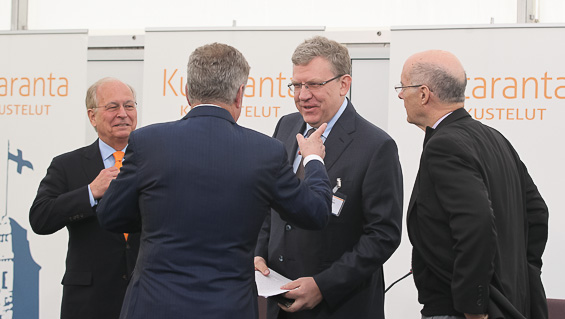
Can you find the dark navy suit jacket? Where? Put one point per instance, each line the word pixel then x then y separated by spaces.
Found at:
pixel 345 258
pixel 199 189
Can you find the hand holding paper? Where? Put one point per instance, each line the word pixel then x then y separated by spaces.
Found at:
pixel 270 284
pixel 305 293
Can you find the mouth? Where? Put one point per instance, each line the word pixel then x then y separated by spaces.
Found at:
pixel 122 125
pixel 309 107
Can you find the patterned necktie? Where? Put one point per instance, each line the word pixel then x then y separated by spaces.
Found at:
pixel 118 157
pixel 300 169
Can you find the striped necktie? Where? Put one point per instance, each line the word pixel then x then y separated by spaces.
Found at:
pixel 300 169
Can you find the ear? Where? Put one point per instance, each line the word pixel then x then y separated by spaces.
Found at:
pixel 186 94
pixel 345 84
pixel 91 117
pixel 239 97
pixel 425 94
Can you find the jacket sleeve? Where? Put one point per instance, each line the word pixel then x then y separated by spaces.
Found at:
pixel 118 210
pixel 537 216
pixel 57 204
pixel 262 247
pixel 306 203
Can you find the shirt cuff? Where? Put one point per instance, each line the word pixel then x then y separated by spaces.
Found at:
pixel 93 202
pixel 312 157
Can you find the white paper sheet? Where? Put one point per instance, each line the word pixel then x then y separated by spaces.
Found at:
pixel 270 285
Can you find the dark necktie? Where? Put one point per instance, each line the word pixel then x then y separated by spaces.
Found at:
pixel 300 169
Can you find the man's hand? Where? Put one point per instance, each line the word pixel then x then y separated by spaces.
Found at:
pixel 100 184
pixel 305 293
pixel 261 265
pixel 480 316
pixel 313 144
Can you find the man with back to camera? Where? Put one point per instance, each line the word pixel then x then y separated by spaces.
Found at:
pixel 200 188
pixel 337 271
pixel 99 263
pixel 477 223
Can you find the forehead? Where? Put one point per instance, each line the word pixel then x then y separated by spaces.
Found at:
pixel 318 68
pixel 405 75
pixel 113 91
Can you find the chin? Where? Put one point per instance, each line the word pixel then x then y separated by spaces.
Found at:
pixel 122 133
pixel 310 118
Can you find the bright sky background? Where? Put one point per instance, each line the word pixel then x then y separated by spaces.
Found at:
pixel 117 15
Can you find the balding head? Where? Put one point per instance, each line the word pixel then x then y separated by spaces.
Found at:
pixel 441 71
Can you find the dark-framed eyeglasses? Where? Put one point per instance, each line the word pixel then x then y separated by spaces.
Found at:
pixel 113 107
pixel 310 86
pixel 400 87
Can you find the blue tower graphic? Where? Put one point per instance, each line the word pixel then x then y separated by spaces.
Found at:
pixel 19 273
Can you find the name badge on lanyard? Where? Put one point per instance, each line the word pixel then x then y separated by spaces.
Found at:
pixel 338 199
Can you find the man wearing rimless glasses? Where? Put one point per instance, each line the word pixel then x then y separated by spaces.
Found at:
pixel 337 271
pixel 99 263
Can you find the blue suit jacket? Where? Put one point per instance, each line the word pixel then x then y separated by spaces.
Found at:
pixel 199 189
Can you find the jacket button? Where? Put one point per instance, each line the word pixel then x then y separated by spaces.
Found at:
pixel 124 277
pixel 281 258
pixel 288 227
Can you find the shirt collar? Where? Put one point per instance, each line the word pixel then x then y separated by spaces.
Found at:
pixel 106 150
pixel 208 105
pixel 441 119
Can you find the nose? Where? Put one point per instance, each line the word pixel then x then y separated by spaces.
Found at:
pixel 304 94
pixel 400 96
pixel 122 112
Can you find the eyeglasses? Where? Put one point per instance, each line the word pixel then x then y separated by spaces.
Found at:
pixel 399 87
pixel 113 107
pixel 310 86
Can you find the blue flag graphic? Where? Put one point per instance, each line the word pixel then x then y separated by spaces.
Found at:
pixel 20 160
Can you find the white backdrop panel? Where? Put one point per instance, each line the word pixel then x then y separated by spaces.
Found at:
pixel 42 87
pixel 370 90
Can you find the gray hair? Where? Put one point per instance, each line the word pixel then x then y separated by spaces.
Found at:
pixel 91 98
pixel 446 86
pixel 215 72
pixel 319 46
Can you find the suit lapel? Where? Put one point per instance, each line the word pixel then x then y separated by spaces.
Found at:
pixel 288 137
pixel 336 143
pixel 429 133
pixel 454 116
pixel 92 162
pixel 340 136
pixel 414 195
